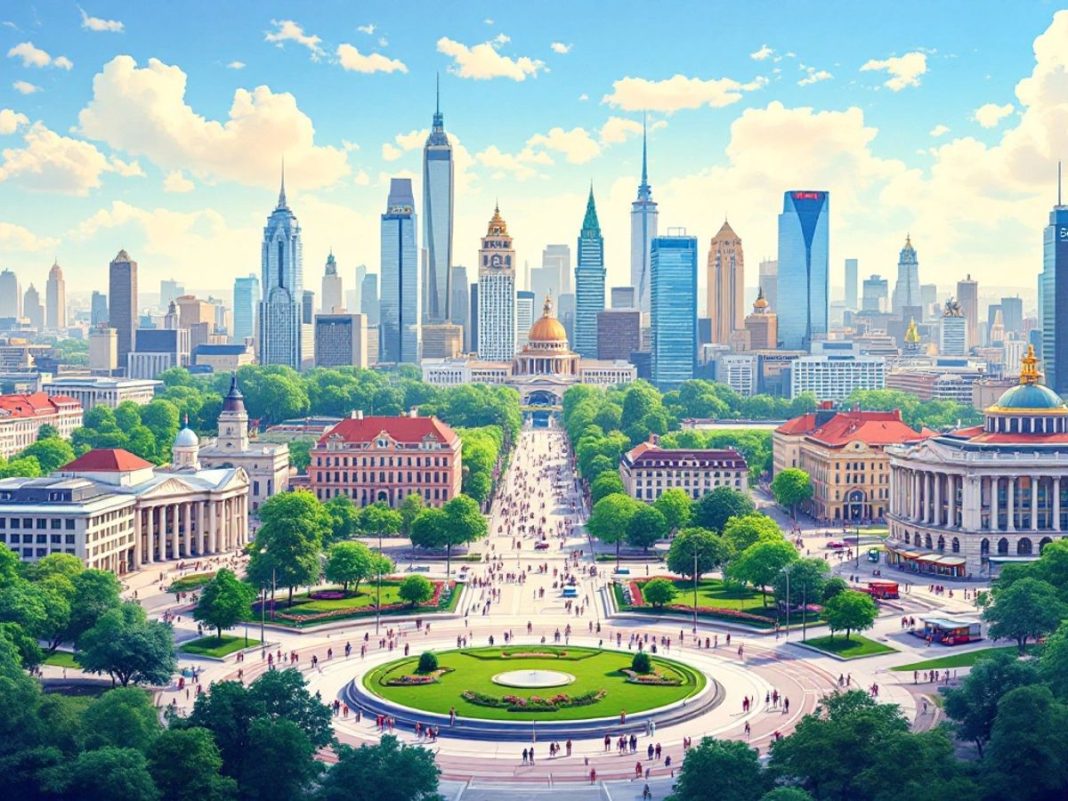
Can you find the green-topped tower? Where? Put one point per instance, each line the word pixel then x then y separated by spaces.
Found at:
pixel 589 281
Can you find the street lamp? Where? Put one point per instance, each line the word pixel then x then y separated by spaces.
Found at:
pixel 786 570
pixel 695 588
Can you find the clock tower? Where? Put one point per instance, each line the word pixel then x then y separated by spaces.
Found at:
pixel 496 293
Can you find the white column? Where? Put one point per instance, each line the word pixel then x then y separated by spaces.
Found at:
pixel 161 540
pixel 1056 504
pixel 1034 502
pixel 138 552
pixel 914 478
pixel 150 545
pixel 994 503
pixel 187 524
pixel 1011 506
pixel 937 499
pixel 213 540
pixel 175 530
pixel 202 525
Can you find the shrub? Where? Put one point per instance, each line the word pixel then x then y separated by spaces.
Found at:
pixel 428 662
pixel 641 663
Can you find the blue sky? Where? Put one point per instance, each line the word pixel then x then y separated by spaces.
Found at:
pixel 159 128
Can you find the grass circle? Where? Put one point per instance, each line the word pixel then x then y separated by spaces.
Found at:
pixel 595 671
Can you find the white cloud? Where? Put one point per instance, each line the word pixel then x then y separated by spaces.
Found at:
pixel 904 70
pixel 560 48
pixel 762 54
pixel 362 178
pixel 617 129
pixel 487 21
pixel 404 143
pixel 127 169
pixel 576 145
pixel 352 60
pixel 176 182
pixel 989 115
pixel 100 25
pixel 584 97
pixel 813 75
pixel 25 87
pixel 349 145
pixel 16 237
pixel 236 65
pixel 143 111
pixel 286 30
pixel 678 92
pixel 483 61
pixel 10 121
pixel 49 162
pixel 383 41
pixel 939 130
pixel 36 57
pixel 516 165
pixel 369 29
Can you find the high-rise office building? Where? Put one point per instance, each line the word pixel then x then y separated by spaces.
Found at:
pixel 496 292
pixel 619 333
pixel 333 299
pixel 997 328
pixel 768 281
pixel 953 331
pixel 589 282
pixel 103 350
pixel 437 220
pixel 968 297
pixel 357 291
pixel 55 299
pixel 928 300
pixel 369 307
pixel 876 292
pixel 762 325
pixel 471 334
pixel 279 336
pixel 726 284
pixel 340 340
pixel 122 302
pixel 804 242
pixel 673 307
pixel 623 297
pixel 246 298
pixel 644 218
pixel 1053 296
pixel 907 287
pixel 524 317
pixel 852 266
pixel 10 295
pixel 400 326
pixel 32 308
pixel 544 283
pixel 1012 313
pixel 307 307
pixel 567 314
pixel 557 260
pixel 98 309
pixel 169 290
pixel 459 289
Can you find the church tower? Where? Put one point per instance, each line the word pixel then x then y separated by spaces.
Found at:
pixel 233 421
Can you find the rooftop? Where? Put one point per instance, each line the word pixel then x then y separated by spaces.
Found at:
pixel 106 460
pixel 407 429
pixel 37 404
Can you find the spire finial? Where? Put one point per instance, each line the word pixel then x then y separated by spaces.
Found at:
pixel 1058 183
pixel 282 191
pixel 1029 373
pixel 437 93
pixel 645 152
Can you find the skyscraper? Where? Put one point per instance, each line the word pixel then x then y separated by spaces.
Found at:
pixel 907 287
pixel 437 220
pixel 369 298
pixel 400 334
pixel 459 289
pixel 340 340
pixel 98 308
pixel 726 284
pixel 589 282
pixel 10 295
pixel 762 325
pixel 1053 296
pixel 524 317
pixel 496 293
pixel 1012 313
pixel 968 298
pixel 357 288
pixel 333 290
pixel 804 242
pixel 851 269
pixel 768 281
pixel 557 259
pixel 876 291
pixel 623 297
pixel 31 305
pixel 55 299
pixel 246 298
pixel 169 290
pixel 122 302
pixel 673 306
pixel 643 229
pixel 953 331
pixel 280 316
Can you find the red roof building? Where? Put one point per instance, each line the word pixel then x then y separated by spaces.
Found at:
pixel 106 460
pixel 647 470
pixel 380 458
pixel 21 418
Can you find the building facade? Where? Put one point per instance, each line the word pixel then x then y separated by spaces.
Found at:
pixel 589 282
pixel 21 418
pixel 953 331
pixel 438 192
pixel 56 299
pixel 852 268
pixel 400 304
pixel 278 337
pixel 340 340
pixel 673 298
pixel 644 219
pixel 831 377
pixel 496 292
pixel 10 295
pixel 726 284
pixel 333 295
pixel 907 287
pixel 619 333
pixel 524 317
pixel 1053 298
pixel 122 302
pixel 762 325
pixel 804 242
pixel 110 392
pixel 647 470
pixel 246 299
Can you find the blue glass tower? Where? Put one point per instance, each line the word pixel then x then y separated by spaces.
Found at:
pixel 400 330
pixel 803 268
pixel 1053 297
pixel 437 220
pixel 278 335
pixel 644 218
pixel 673 302
pixel 589 282
pixel 246 296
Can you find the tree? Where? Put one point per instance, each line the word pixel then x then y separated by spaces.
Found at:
pixel 726 770
pixel 659 592
pixel 641 663
pixel 850 611
pixel 344 518
pixel 464 523
pixel 224 602
pixel 416 590
pixel 387 771
pixel 30 653
pixel 185 764
pixel 410 508
pixel 289 541
pixel 128 647
pixel 1025 758
pixel 676 506
pixel 791 487
pixel 280 763
pixel 974 705
pixel 1026 609
pixel 720 505
pixel 428 530
pixel 647 527
pixel 710 550
pixel 378 518
pixel 106 774
pixel 349 563
pixel 95 592
pixel 760 563
pixel 835 585
pixel 47 431
pixel 610 519
pixel 807 580
pixel 741 532
pixel 1053 661
pixel 608 483
pixel 786 794
pixel 124 717
pixel 300 453
pixel 51 453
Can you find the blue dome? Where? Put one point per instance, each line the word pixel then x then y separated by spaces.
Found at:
pixel 1030 396
pixel 186 438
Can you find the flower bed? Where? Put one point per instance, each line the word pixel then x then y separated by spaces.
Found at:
pixel 327 595
pixel 534 655
pixel 443 594
pixel 535 703
pixel 417 679
pixel 655 679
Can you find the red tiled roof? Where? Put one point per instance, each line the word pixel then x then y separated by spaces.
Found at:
pixel 872 428
pixel 37 404
pixel 799 425
pixel 402 429
pixel 106 460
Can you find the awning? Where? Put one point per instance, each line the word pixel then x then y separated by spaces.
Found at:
pixel 1003 559
pixel 950 622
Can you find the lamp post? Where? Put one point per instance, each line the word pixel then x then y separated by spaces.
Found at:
pixel 695 589
pixel 856 547
pixel 786 570
pixel 804 611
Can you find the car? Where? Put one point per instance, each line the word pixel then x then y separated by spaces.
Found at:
pixel 541 545
pixel 836 545
pixel 623 571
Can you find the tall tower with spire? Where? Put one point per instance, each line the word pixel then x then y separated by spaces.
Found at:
pixel 643 229
pixel 726 282
pixel 55 299
pixel 589 282
pixel 278 332
pixel 1053 295
pixel 907 289
pixel 496 292
pixel 438 195
pixel 333 288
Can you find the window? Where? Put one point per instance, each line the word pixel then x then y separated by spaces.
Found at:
pixel 69 524
pixel 55 523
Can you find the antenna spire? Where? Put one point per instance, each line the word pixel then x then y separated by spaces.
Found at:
pixel 1058 183
pixel 282 191
pixel 437 93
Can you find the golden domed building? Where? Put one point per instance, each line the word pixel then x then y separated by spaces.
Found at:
pixel 546 351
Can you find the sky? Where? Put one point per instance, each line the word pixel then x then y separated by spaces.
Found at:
pixel 160 128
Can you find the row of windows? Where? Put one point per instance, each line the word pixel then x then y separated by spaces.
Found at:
pixel 15 539
pixel 40 553
pixel 428 494
pixel 40 522
pixel 369 478
pixel 677 474
pixel 381 461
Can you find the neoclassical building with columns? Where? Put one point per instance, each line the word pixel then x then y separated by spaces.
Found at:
pixel 965 502
pixel 117 512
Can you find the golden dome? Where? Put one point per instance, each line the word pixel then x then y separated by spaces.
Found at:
pixel 497 225
pixel 547 328
pixel 761 302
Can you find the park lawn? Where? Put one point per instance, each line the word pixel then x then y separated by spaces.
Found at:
pixel 62 659
pixel 353 605
pixel 473 669
pixel 194 581
pixel 958 660
pixel 855 647
pixel 365 597
pixel 213 646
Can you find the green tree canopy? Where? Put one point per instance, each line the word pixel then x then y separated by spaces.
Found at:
pixel 124 717
pixel 416 590
pixel 185 765
pixel 344 518
pixel 1025 610
pixel 289 541
pixel 973 706
pixel 715 508
pixel 349 563
pixel 128 647
pixel 387 771
pixel 760 563
pixel 610 519
pixel 647 527
pixel 745 530
pixel 659 592
pixel 724 770
pixel 676 506
pixel 710 550
pixel 607 483
pixel 850 611
pixel 224 601
pixel 791 487
pixel 808 577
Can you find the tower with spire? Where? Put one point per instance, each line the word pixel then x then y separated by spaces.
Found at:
pixel 55 299
pixel 589 281
pixel 726 284
pixel 1053 295
pixel 333 288
pixel 496 292
pixel 278 334
pixel 643 229
pixel 906 295
pixel 438 197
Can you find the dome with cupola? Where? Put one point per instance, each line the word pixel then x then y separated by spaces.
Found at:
pixel 547 329
pixel 1030 407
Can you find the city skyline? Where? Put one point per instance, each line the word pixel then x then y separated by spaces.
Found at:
pixel 889 124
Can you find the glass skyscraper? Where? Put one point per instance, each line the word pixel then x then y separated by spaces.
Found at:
pixel 246 296
pixel 437 220
pixel 589 282
pixel 803 268
pixel 643 227
pixel 279 326
pixel 400 329
pixel 673 304
pixel 1053 299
